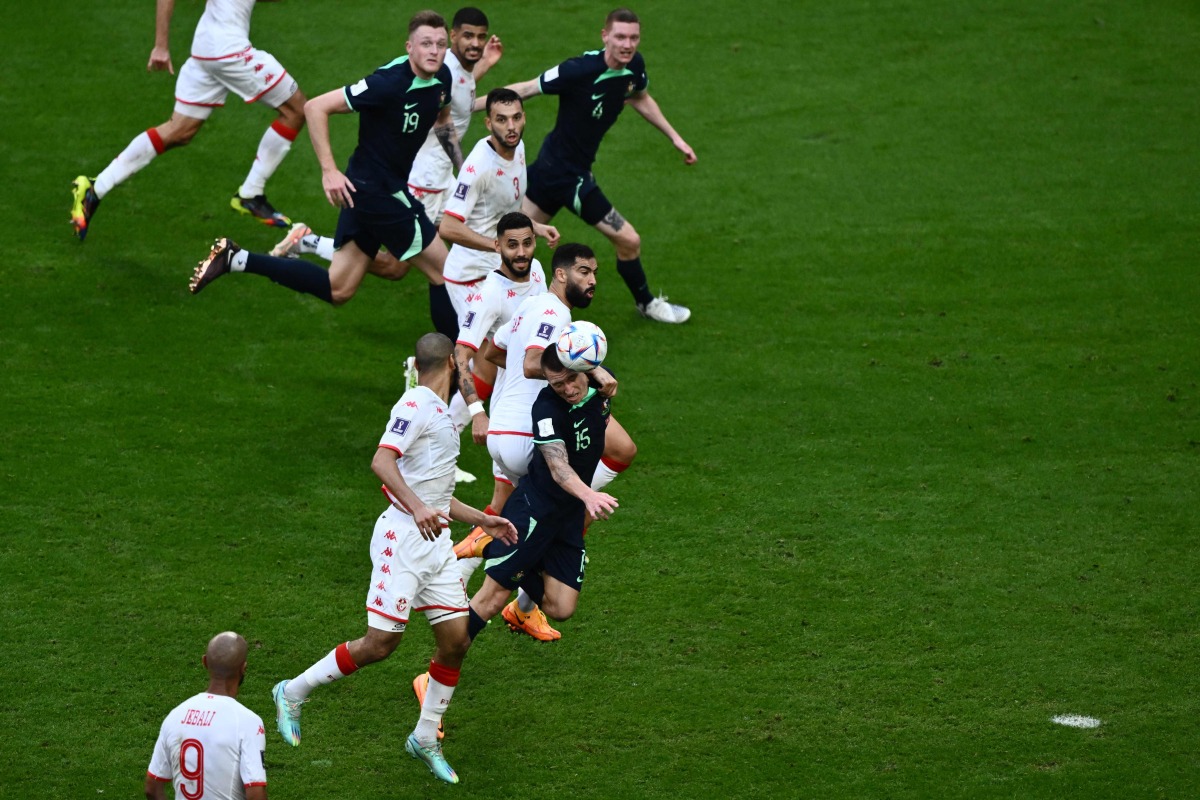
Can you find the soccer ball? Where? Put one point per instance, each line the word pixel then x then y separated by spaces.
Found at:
pixel 582 346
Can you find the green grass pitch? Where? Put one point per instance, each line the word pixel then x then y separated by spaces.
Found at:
pixel 921 473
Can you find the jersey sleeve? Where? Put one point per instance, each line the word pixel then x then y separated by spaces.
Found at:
pixel 504 334
pixel 253 748
pixel 408 420
pixel 160 762
pixel 564 77
pixel 481 315
pixel 373 91
pixel 550 421
pixel 641 81
pixel 472 179
pixel 544 334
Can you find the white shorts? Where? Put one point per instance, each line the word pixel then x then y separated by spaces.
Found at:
pixel 434 201
pixel 467 265
pixel 410 573
pixel 511 452
pixel 459 292
pixel 253 74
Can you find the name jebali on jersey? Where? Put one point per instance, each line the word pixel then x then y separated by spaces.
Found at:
pixel 210 746
pixel 488 188
pixel 426 462
pixel 536 325
pixel 432 168
pixel 591 97
pixel 392 99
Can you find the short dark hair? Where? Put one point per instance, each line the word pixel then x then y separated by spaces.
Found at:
pixel 551 362
pixel 432 350
pixel 565 255
pixel 502 94
pixel 430 18
pixel 469 15
pixel 620 15
pixel 512 221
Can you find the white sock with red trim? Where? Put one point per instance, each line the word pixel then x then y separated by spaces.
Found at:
pixel 442 680
pixel 337 664
pixel 140 152
pixel 605 472
pixel 273 146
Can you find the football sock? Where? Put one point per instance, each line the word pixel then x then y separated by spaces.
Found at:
pixel 140 152
pixel 321 245
pixel 467 567
pixel 337 664
pixel 524 601
pixel 606 470
pixel 475 623
pixel 273 146
pixel 441 311
pixel 237 262
pixel 635 278
pixel 294 273
pixel 442 680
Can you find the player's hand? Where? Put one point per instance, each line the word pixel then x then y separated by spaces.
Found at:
pixel 479 427
pixel 499 528
pixel 160 59
pixel 492 51
pixel 689 155
pixel 606 384
pixel 430 521
pixel 547 232
pixel 600 505
pixel 339 190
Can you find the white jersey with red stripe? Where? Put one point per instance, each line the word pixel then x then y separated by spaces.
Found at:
pixel 422 434
pixel 488 188
pixel 210 746
pixel 535 326
pixel 223 30
pixel 432 168
pixel 495 301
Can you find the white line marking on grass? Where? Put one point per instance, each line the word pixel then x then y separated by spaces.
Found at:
pixel 1076 721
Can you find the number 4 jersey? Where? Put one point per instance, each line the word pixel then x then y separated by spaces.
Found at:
pixel 210 746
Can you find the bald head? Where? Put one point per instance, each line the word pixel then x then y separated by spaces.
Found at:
pixel 225 656
pixel 432 351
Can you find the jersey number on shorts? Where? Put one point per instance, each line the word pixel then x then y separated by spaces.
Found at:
pixel 411 120
pixel 195 774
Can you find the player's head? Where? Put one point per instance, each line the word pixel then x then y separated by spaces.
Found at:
pixel 566 383
pixel 505 117
pixel 434 352
pixel 514 240
pixel 225 657
pixel 574 268
pixel 468 35
pixel 426 45
pixel 621 35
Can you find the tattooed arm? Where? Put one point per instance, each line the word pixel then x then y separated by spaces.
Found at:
pixel 447 137
pixel 466 386
pixel 599 504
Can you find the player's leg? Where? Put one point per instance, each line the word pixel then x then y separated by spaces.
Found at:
pixel 556 588
pixel 430 260
pixel 559 600
pixel 435 689
pixel 619 452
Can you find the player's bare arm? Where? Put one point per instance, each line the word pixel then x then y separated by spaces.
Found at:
pixel 493 354
pixel 492 52
pixel 160 55
pixel 526 90
pixel 466 387
pixel 598 504
pixel 498 527
pixel 606 384
pixel 454 230
pixel 338 188
pixel 646 105
pixel 532 365
pixel 428 520
pixel 547 232
pixel 447 137
pixel 257 792
pixel 155 789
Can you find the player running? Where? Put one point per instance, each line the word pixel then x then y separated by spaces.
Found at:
pixel 222 61
pixel 414 568
pixel 210 745
pixel 593 90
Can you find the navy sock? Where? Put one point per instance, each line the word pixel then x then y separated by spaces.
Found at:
pixel 441 311
pixel 534 586
pixel 294 273
pixel 635 278
pixel 475 623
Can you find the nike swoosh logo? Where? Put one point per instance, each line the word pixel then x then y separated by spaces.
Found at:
pixel 580 422
pixel 597 96
pixel 407 106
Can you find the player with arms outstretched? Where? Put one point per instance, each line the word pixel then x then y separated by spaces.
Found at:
pixel 222 61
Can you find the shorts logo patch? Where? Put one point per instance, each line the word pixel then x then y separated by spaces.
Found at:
pixel 400 426
pixel 544 331
pixel 545 427
pixel 359 87
pixel 460 192
pixel 401 605
pixel 470 318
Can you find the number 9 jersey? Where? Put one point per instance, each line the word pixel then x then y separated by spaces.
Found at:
pixel 210 746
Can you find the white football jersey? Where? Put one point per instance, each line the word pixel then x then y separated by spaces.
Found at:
pixel 426 444
pixel 488 188
pixel 494 302
pixel 535 325
pixel 432 168
pixel 223 29
pixel 210 746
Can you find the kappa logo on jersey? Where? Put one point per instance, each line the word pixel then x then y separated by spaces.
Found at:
pixel 387 551
pixel 385 569
pixel 359 87
pixel 512 293
pixel 380 586
pixel 470 169
pixel 261 732
pixel 470 318
pixel 544 330
pixel 549 312
pixel 270 76
pixel 499 173
pixel 259 67
pixel 390 536
pixel 411 403
pixel 460 191
pixel 377 601
pixel 400 426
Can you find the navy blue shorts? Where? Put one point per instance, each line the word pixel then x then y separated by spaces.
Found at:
pixel 552 189
pixel 397 223
pixel 549 542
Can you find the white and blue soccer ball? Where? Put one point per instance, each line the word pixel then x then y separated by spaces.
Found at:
pixel 582 346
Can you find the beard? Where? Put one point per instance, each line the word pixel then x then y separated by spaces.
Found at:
pixel 520 269
pixel 578 298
